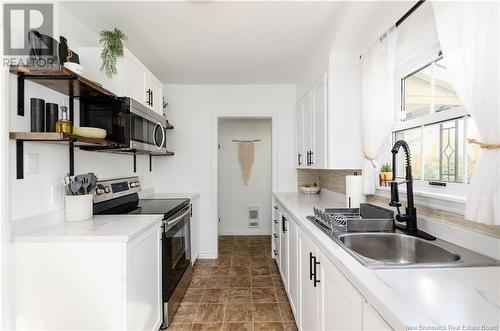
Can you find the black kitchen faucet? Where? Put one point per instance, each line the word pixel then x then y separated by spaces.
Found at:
pixel 410 217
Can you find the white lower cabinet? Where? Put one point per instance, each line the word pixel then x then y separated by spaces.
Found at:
pixel 103 286
pixel 293 268
pixel 341 304
pixel 321 297
pixel 309 291
pixel 283 252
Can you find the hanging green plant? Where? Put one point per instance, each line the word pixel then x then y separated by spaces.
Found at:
pixel 112 42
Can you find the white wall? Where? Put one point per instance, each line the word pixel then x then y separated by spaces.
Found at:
pixel 193 110
pixel 234 196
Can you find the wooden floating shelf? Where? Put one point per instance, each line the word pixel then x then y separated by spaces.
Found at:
pixel 63 80
pixel 61 138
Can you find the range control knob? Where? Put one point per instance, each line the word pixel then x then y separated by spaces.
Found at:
pixel 107 189
pixel 99 190
pixel 133 184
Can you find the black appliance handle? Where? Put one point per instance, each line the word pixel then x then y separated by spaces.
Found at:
pixel 299 161
pixel 310 266
pixel 315 280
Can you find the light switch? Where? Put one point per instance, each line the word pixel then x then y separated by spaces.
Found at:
pixel 32 163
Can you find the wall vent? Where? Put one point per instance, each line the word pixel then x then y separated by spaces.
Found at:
pixel 253 217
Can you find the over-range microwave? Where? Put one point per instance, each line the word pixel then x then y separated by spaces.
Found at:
pixel 131 126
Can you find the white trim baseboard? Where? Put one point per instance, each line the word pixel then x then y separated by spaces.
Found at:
pixel 207 255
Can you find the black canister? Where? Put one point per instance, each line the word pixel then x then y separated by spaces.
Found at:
pixel 51 116
pixel 37 115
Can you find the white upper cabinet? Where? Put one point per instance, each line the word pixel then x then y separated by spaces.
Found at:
pixel 308 129
pixel 133 78
pixel 299 135
pixel 328 122
pixel 319 97
pixel 310 126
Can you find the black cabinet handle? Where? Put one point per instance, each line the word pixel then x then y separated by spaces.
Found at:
pixel 299 156
pixel 283 218
pixel 275 235
pixel 275 221
pixel 316 263
pixel 311 158
pixel 152 98
pixel 310 266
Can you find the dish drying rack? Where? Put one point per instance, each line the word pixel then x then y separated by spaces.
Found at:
pixel 367 218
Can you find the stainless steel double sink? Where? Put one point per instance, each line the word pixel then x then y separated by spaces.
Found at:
pixel 391 250
pixel 396 250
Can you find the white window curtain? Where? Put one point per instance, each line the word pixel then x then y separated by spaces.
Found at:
pixel 469 34
pixel 377 103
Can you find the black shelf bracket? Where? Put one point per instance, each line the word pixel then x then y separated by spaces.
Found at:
pixel 135 162
pixel 71 158
pixel 20 94
pixel 150 162
pixel 19 159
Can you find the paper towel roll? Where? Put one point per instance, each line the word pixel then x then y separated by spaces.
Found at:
pixel 354 191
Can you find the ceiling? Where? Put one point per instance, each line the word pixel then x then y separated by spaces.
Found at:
pixel 212 42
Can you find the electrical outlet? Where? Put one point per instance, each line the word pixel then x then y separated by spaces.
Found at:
pixel 57 194
pixel 32 163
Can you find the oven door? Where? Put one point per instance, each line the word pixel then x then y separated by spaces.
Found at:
pixel 176 251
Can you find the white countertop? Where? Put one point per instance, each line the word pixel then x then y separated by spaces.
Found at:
pixel 102 228
pixel 407 297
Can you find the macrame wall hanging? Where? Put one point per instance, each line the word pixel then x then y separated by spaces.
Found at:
pixel 246 157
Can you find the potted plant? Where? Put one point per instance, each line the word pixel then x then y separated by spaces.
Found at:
pixel 112 42
pixel 386 172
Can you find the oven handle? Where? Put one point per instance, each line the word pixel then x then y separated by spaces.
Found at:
pixel 177 219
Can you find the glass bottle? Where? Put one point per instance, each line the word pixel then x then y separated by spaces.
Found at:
pixel 64 125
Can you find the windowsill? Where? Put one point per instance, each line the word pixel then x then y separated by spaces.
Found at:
pixel 435 195
pixel 439 200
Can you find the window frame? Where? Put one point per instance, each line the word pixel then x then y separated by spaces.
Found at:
pixel 422 185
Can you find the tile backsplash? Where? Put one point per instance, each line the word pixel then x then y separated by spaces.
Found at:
pixel 334 180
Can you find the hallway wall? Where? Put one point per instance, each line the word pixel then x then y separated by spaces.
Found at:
pixel 234 196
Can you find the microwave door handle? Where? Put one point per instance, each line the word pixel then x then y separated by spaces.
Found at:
pixel 177 219
pixel 159 127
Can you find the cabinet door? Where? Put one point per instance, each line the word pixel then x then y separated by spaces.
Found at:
pixel 319 98
pixel 293 267
pixel 308 128
pixel 341 304
pixel 157 89
pixel 144 281
pixel 284 248
pixel 309 295
pixel 134 79
pixel 372 321
pixel 299 135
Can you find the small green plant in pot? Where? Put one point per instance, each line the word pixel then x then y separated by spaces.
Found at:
pixel 112 42
pixel 386 172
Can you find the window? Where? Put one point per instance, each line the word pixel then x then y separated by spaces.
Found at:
pixel 436 127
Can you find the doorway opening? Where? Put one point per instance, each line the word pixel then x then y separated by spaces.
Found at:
pixel 244 178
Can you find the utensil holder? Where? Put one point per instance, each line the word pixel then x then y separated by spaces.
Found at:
pixel 79 208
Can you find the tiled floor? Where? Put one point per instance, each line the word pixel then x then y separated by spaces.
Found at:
pixel 241 290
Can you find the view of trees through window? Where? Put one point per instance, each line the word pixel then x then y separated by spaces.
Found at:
pixel 440 151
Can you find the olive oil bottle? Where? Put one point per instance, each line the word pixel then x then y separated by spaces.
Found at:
pixel 64 125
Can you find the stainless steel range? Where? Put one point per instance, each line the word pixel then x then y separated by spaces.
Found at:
pixel 120 196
